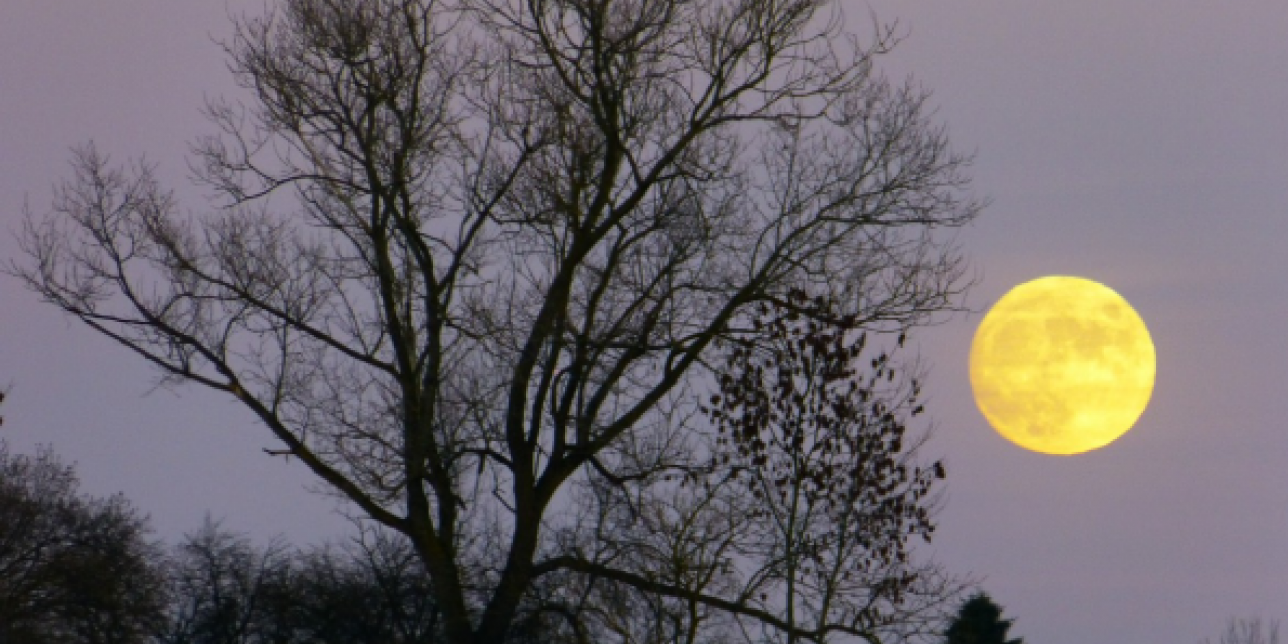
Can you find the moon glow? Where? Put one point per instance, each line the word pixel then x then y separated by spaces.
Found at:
pixel 1062 365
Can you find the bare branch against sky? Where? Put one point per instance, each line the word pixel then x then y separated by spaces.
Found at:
pixel 468 258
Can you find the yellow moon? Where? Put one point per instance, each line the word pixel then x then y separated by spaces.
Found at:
pixel 1062 365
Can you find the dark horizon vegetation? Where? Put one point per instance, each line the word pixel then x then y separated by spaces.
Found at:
pixel 79 569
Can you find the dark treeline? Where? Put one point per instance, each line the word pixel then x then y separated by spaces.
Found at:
pixel 78 569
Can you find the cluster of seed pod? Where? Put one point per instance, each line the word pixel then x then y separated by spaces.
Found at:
pixel 800 415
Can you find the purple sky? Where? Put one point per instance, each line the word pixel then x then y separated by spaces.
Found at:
pixel 1142 144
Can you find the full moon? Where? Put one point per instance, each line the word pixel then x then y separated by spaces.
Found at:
pixel 1062 365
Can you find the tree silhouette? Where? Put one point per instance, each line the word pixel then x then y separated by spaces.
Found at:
pixel 1247 630
pixel 979 621
pixel 470 259
pixel 225 590
pixel 73 568
pixel 811 477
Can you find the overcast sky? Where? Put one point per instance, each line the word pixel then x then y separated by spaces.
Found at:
pixel 1139 143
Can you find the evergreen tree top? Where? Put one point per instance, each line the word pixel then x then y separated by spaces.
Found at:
pixel 979 621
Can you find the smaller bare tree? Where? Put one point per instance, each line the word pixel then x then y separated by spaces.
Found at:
pixel 816 425
pixel 73 568
pixel 224 589
pixel 370 589
pixel 785 511
pixel 1247 630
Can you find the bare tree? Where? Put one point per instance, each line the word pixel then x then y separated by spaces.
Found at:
pixel 225 590
pixel 473 252
pixel 796 503
pixel 819 442
pixel 73 568
pixel 371 589
pixel 1247 630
